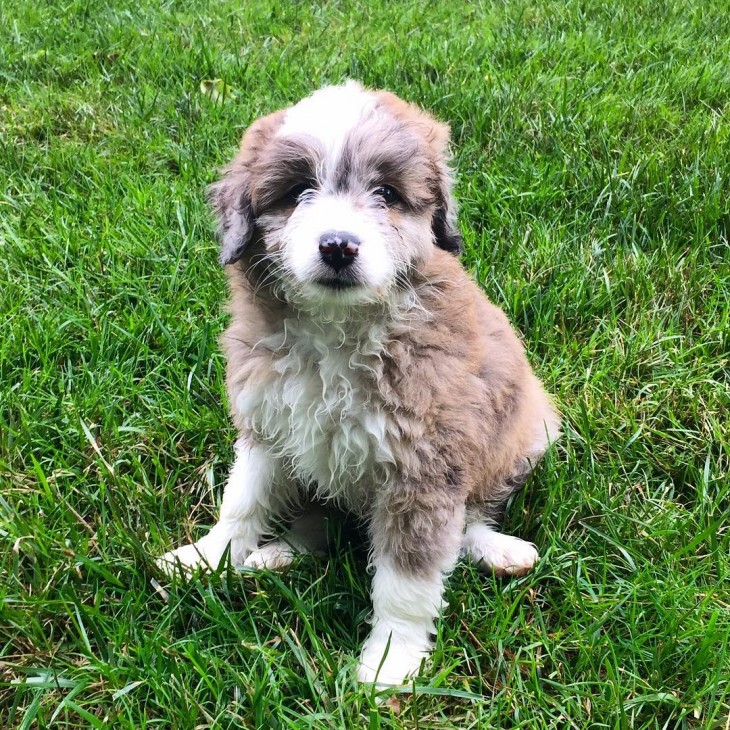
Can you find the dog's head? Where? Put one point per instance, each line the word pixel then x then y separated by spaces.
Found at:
pixel 343 195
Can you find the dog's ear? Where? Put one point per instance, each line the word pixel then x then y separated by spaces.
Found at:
pixel 446 233
pixel 436 135
pixel 231 196
pixel 445 229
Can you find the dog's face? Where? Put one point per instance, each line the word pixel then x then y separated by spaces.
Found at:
pixel 341 196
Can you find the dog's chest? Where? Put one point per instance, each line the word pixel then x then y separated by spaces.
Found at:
pixel 321 412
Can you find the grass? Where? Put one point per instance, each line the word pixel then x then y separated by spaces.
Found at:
pixel 593 148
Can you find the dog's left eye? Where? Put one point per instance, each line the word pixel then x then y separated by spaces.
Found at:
pixel 297 191
pixel 388 194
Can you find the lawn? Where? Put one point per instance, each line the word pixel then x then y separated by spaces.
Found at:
pixel 592 143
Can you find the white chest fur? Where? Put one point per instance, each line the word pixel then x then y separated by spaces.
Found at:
pixel 320 409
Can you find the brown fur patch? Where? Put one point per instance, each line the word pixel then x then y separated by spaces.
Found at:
pixel 435 135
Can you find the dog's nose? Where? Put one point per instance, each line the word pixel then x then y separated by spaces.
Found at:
pixel 338 249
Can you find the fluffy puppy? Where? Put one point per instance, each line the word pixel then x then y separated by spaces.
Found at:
pixel 365 367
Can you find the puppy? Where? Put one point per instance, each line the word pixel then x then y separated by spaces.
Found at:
pixel 365 367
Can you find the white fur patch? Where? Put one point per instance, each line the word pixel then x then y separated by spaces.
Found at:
pixel 501 554
pixel 320 413
pixel 375 265
pixel 328 115
pixel 274 555
pixel 404 610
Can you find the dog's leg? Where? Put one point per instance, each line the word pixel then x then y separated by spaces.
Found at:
pixel 244 516
pixel 488 548
pixel 416 539
pixel 307 534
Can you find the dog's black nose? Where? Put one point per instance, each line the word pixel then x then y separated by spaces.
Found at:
pixel 338 249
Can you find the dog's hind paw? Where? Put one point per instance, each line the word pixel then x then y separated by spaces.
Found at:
pixel 498 553
pixel 275 555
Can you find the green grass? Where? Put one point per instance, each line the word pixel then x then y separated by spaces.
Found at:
pixel 593 149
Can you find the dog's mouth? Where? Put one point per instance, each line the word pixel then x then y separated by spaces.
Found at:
pixel 337 283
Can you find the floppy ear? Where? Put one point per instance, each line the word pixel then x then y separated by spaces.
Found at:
pixel 231 195
pixel 436 135
pixel 445 229
pixel 231 201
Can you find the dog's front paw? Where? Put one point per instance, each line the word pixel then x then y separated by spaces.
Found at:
pixel 206 554
pixel 275 555
pixel 402 661
pixel 185 559
pixel 501 554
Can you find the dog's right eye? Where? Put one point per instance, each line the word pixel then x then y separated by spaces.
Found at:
pixel 295 194
pixel 389 195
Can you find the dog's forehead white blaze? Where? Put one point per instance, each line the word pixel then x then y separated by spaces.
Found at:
pixel 329 115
